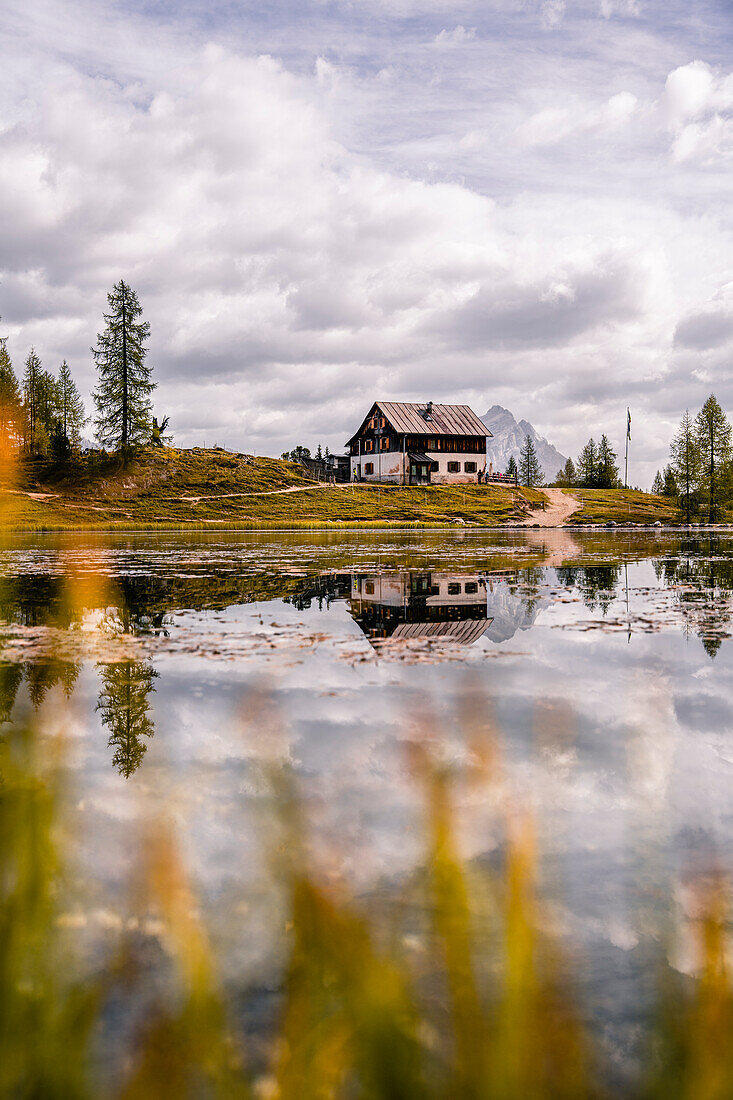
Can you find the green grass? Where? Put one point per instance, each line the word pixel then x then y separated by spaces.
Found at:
pixel 208 489
pixel 622 506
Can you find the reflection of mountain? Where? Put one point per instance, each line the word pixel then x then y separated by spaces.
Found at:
pixel 508 612
pixel 446 606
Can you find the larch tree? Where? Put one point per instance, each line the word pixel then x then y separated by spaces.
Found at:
pixel 11 406
pixel 70 406
pixel 685 456
pixel 32 402
pixel 567 476
pixel 122 397
pixel 658 485
pixel 713 435
pixel 530 471
pixel 669 484
pixel 511 468
pixel 607 470
pixel 588 465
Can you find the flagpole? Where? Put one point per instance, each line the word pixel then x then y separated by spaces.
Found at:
pixel 626 463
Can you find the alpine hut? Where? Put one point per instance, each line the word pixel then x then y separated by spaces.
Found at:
pixel 407 443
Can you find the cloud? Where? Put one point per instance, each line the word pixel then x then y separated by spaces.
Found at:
pixel 605 292
pixel 555 124
pixel 456 37
pixel 697 107
pixel 702 331
pixel 552 12
pixel 314 211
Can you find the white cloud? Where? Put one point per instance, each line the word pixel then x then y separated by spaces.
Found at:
pixel 552 12
pixel 555 124
pixel 304 233
pixel 697 107
pixel 455 37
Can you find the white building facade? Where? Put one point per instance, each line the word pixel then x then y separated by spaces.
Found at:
pixel 406 443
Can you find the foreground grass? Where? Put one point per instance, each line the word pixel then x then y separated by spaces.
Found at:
pixel 484 1009
pixel 208 489
pixel 456 990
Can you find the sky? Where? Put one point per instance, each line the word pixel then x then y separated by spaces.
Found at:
pixel 325 202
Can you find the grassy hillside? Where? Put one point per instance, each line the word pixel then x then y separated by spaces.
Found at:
pixel 622 506
pixel 212 488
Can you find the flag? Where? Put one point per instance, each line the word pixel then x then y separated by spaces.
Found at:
pixel 628 424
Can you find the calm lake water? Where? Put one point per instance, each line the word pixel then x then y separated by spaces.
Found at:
pixel 602 664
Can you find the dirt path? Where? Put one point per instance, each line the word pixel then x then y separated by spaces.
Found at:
pixel 560 508
pixel 265 493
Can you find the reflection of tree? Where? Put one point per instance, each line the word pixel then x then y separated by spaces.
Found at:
pixel 704 584
pixel 11 676
pixel 527 586
pixel 124 705
pixel 41 676
pixel 596 583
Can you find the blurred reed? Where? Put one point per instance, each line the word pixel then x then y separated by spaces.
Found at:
pixel 485 1010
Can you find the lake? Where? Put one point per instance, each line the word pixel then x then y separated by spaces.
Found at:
pixel 185 671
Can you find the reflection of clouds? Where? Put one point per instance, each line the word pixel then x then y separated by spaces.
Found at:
pixel 622 750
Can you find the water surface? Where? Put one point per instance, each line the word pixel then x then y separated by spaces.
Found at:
pixel 195 664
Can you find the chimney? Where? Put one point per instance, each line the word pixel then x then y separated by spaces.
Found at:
pixel 428 414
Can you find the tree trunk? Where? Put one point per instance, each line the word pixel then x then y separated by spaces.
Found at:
pixel 124 373
pixel 712 477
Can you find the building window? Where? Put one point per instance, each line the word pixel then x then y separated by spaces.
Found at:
pixel 384 443
pixel 368 444
pixel 469 467
pixel 368 467
pixel 369 588
pixel 435 467
pixel 454 467
pixel 471 588
pixel 454 589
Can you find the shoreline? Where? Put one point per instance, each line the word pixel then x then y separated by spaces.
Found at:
pixel 354 525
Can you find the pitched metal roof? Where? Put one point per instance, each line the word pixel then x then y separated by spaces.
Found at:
pixel 463 631
pixel 409 416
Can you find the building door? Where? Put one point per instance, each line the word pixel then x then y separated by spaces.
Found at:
pixel 419 473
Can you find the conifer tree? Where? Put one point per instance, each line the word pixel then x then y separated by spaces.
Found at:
pixel 32 402
pixel 70 406
pixel 567 475
pixel 10 401
pixel 713 436
pixel 511 468
pixel 607 470
pixel 125 709
pixel 48 405
pixel 658 485
pixel 123 394
pixel 530 472
pixel 588 465
pixel 669 483
pixel 685 455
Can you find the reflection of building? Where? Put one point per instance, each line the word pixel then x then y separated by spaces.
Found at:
pixel 420 605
